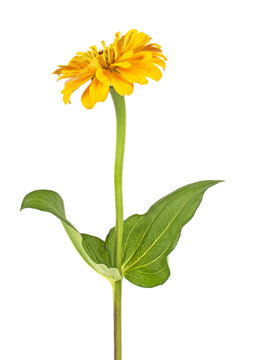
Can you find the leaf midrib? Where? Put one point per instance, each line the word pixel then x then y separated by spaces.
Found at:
pixel 145 233
pixel 173 219
pixel 133 253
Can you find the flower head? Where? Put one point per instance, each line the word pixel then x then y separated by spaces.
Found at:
pixel 129 59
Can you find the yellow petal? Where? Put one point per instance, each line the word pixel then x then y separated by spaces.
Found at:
pixel 94 93
pixel 117 35
pixel 160 55
pixel 72 85
pixel 125 55
pixel 103 76
pixel 132 76
pixel 94 48
pixel 159 62
pixel 156 45
pixel 103 44
pixel 122 86
pixel 137 39
pixel 152 48
pixel 98 90
pixel 141 56
pixel 123 64
pixel 86 98
pixel 148 69
pixel 128 36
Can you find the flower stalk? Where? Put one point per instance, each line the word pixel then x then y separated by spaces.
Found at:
pixel 117 291
pixel 120 109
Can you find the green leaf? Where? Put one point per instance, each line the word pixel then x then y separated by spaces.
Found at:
pixel 148 239
pixel 91 248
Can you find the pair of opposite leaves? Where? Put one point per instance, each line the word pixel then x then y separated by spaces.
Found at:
pixel 148 239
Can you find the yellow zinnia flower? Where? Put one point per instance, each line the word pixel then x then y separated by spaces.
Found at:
pixel 128 60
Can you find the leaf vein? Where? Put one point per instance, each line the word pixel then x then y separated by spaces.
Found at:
pixel 145 233
pixel 166 228
pixel 130 233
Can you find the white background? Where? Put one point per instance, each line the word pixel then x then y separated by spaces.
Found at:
pixel 194 124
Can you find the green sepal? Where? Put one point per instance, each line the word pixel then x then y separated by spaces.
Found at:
pixel 91 248
pixel 148 239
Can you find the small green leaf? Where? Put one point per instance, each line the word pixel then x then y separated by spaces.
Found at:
pixel 148 239
pixel 89 247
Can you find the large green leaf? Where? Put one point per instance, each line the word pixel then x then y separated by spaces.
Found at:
pixel 148 239
pixel 89 247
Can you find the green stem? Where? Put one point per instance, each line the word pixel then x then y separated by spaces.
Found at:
pixel 117 291
pixel 120 110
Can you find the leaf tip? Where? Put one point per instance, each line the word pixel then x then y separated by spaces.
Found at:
pixel 214 182
pixel 22 204
pixel 218 181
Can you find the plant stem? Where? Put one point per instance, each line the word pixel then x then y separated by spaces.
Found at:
pixel 120 110
pixel 117 290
